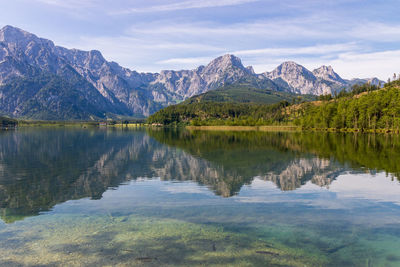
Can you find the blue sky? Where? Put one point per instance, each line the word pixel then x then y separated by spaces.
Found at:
pixel 359 38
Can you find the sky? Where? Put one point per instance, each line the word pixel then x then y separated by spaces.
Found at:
pixel 358 38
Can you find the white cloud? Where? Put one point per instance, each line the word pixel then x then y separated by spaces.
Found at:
pixel 374 64
pixel 274 56
pixel 133 44
pixel 262 32
pixel 307 50
pixel 312 40
pixel 268 30
pixel 348 59
pixel 70 4
pixel 196 61
pixel 182 5
pixel 378 32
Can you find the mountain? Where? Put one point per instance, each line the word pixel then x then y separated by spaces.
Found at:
pixel 323 80
pixel 300 80
pixel 110 88
pixel 328 74
pixel 103 86
pixel 223 70
pixel 43 81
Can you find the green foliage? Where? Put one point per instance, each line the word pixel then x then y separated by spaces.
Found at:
pixel 246 103
pixel 216 113
pixel 355 90
pixel 364 108
pixel 247 93
pixel 372 110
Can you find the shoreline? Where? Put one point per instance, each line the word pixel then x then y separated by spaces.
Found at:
pixel 288 129
pixel 245 128
pixel 260 128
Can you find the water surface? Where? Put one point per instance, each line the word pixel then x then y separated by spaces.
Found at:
pixel 98 197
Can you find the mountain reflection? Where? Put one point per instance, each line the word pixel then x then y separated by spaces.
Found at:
pixel 41 168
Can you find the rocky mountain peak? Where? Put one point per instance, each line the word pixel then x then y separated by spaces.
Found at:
pixel 297 77
pixel 251 69
pixel 19 41
pixel 15 35
pixel 323 68
pixel 290 66
pixel 117 90
pixel 95 59
pixel 226 61
pixel 290 70
pixel 327 73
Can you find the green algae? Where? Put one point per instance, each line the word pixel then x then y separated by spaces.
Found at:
pixel 135 240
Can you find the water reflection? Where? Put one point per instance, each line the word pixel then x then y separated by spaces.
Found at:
pixel 41 168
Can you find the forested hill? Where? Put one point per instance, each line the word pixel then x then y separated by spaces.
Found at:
pixel 248 91
pixel 217 113
pixel 368 108
pixel 365 107
pixel 245 103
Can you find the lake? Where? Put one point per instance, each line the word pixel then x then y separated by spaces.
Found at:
pixel 164 197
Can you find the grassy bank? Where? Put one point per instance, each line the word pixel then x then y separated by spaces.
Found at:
pixel 246 128
pixel 262 128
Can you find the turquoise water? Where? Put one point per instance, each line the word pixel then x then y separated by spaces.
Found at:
pixel 98 197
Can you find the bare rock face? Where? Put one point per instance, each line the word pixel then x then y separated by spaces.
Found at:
pixel 24 55
pixel 30 67
pixel 328 74
pixel 223 70
pixel 302 81
pixel 296 76
pixel 321 81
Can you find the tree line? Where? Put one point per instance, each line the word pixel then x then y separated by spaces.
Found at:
pixel 372 110
pixel 365 107
pixel 216 113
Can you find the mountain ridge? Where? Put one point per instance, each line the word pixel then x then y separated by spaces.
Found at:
pixel 126 92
